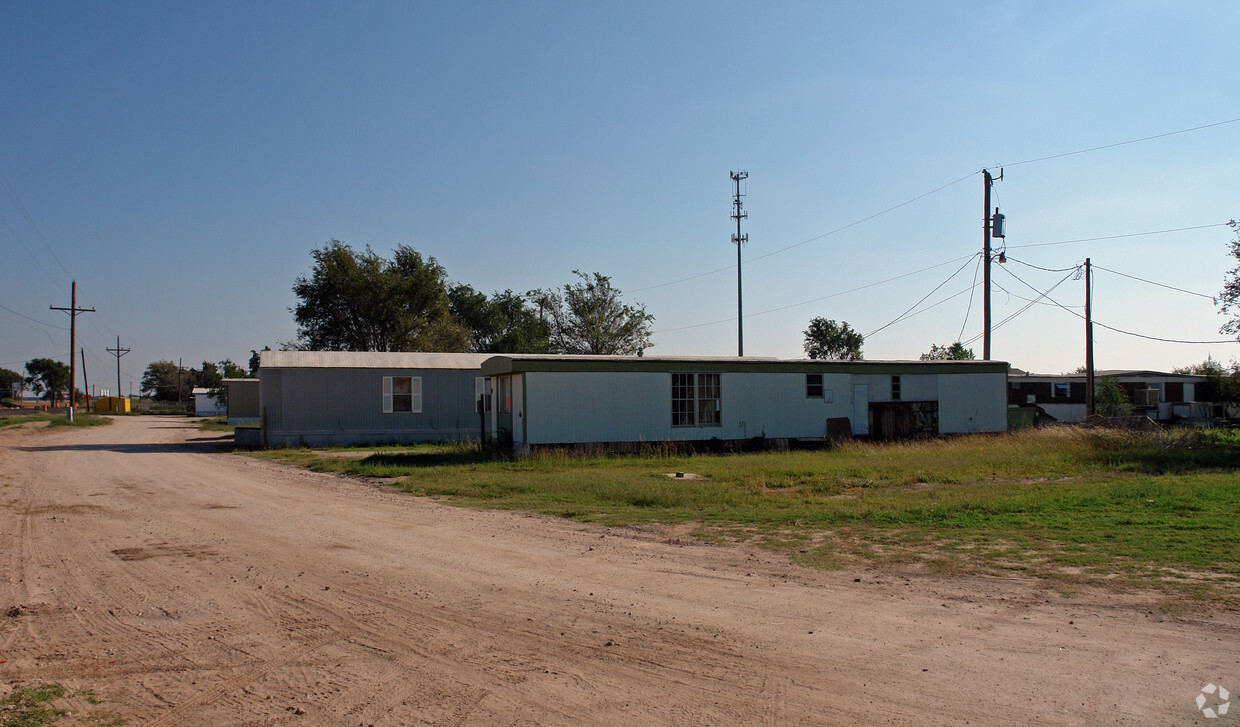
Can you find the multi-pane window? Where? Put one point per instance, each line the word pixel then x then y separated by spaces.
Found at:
pixel 695 400
pixel 402 394
pixel 895 388
pixel 1061 391
pixel 813 386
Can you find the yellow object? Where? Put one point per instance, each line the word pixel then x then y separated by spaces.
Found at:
pixel 111 404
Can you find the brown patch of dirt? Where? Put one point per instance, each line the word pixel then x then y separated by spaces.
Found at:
pixel 315 599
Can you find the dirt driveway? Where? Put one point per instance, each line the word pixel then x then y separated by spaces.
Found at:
pixel 187 586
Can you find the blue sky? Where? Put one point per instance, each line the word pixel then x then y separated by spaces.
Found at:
pixel 180 161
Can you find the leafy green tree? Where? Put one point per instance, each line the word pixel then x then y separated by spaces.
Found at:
pixel 1222 382
pixel 954 352
pixel 1110 399
pixel 503 323
pixel 589 317
pixel 164 380
pixel 359 301
pixel 9 380
pixel 826 339
pixel 48 378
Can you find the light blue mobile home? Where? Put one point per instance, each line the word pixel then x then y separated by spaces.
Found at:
pixel 571 400
pixel 326 398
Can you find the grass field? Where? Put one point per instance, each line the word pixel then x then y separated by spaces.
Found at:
pixel 1064 504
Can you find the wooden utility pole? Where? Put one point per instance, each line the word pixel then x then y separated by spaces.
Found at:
pixel 118 352
pixel 72 310
pixel 987 181
pixel 85 383
pixel 1089 343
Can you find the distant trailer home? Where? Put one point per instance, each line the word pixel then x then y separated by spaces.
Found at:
pixel 583 400
pixel 335 398
pixel 206 405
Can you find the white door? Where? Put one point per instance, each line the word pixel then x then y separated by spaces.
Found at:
pixel 518 411
pixel 861 409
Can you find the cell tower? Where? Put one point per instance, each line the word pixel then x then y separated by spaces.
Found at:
pixel 739 214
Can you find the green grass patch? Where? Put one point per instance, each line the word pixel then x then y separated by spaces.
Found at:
pixel 29 706
pixel 1068 504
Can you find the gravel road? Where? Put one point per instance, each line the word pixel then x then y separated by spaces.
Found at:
pixel 184 585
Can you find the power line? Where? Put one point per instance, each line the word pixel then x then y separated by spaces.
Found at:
pixel 969 307
pixel 1028 305
pixel 1118 237
pixel 923 299
pixel 8 187
pixel 819 299
pixel 41 323
pixel 932 306
pixel 812 239
pixel 1118 143
pixel 1113 328
pixel 1151 282
pixel 1038 267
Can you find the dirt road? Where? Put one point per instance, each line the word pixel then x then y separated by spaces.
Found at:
pixel 188 586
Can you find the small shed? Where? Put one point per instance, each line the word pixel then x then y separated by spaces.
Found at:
pixel 241 399
pixel 335 398
pixel 568 400
pixel 206 405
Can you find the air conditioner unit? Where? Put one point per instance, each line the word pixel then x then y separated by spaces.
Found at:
pixel 1147 397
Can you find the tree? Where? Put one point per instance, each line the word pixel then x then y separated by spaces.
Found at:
pixel 503 323
pixel 1110 399
pixel 1222 383
pixel 954 352
pixel 589 317
pixel 164 380
pixel 1228 301
pixel 361 302
pixel 48 378
pixel 825 339
pixel 10 383
pixel 255 358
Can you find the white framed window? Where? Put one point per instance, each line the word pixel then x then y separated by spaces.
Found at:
pixel 696 400
pixel 813 386
pixel 402 394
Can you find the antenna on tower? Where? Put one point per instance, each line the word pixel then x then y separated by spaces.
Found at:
pixel 738 214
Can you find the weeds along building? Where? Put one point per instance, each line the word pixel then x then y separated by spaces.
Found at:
pixel 581 400
pixel 330 398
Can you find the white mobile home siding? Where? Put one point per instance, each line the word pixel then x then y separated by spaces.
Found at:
pixel 972 403
pixel 583 400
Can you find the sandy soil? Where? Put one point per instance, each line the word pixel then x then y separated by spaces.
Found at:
pixel 188 586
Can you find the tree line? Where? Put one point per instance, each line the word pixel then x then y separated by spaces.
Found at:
pixel 357 300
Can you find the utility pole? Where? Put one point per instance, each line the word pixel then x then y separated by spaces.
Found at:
pixel 85 383
pixel 988 181
pixel 72 310
pixel 1089 343
pixel 118 352
pixel 178 382
pixel 738 214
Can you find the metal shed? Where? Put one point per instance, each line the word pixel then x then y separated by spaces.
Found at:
pixel 317 398
pixel 567 400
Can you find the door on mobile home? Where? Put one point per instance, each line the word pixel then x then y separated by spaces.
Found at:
pixel 518 411
pixel 861 409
